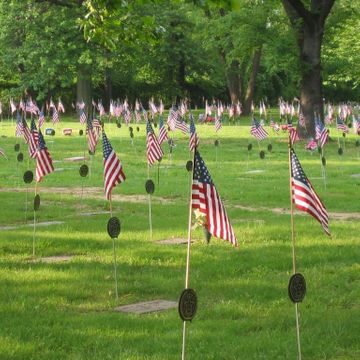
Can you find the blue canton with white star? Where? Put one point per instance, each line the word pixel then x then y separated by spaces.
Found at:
pixel 107 148
pixel 296 170
pixel 201 173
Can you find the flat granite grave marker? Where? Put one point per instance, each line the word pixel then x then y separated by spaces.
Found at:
pixel 148 307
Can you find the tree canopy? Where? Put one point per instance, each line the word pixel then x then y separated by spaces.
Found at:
pixel 233 50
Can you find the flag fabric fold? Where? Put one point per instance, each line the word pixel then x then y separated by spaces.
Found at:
pixel 304 196
pixel 113 170
pixel 206 200
pixel 153 149
pixel 44 163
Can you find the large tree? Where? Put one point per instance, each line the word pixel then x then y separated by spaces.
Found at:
pixel 308 21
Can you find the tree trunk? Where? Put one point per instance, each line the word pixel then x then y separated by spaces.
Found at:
pixel 83 87
pixel 233 81
pixel 252 81
pixel 108 82
pixel 311 97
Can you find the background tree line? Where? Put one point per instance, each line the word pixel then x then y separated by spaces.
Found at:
pixel 243 50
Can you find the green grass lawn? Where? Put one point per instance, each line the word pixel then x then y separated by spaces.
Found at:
pixel 65 310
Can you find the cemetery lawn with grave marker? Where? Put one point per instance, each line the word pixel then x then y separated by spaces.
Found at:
pixel 66 310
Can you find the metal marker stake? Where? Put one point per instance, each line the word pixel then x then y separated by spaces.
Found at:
pixel 187 274
pixel 114 256
pixel 294 254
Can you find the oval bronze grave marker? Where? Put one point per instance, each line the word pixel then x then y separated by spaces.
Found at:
pixel 249 147
pixel 323 160
pixel 84 170
pixel 28 177
pixel 20 157
pixel 17 147
pixel 149 186
pixel 187 304
pixel 270 148
pixel 297 288
pixel 81 132
pixel 137 129
pixel 262 154
pixel 340 151
pixel 118 125
pixel 189 165
pixel 113 227
pixel 216 142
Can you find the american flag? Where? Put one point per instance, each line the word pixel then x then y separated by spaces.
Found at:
pixel 194 140
pixel 301 120
pixel 22 105
pixel 26 132
pixel 340 125
pixel 274 125
pixel 19 125
pixel 127 117
pixel 12 106
pixel 162 131
pixel 181 125
pixel 96 128
pixel 172 118
pixel 152 107
pixel 101 109
pixel 82 117
pixel 80 105
pixel 41 118
pixel 153 149
pixel 60 107
pixel 293 133
pixel 217 123
pixel 304 196
pixel 356 125
pixel 51 105
pixel 257 130
pixel 35 138
pixel 322 133
pixel 55 116
pixel 44 163
pixel 113 171
pixel 92 137
pixel 206 200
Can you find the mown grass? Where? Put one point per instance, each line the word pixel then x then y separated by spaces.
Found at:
pixel 65 310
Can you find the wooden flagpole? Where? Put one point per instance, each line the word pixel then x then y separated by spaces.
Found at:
pixel 149 201
pixel 293 252
pixel 114 256
pixel 187 273
pixel 34 228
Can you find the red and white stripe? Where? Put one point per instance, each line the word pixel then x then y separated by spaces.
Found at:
pixel 206 199
pixel 113 173
pixel 44 164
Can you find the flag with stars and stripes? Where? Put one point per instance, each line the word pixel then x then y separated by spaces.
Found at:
pixel 274 125
pixel 172 118
pixel 41 118
pixel 181 125
pixel 322 134
pixel 217 123
pixel 19 125
pixel 55 116
pixel 193 140
pixel 12 106
pixel 304 196
pixel 61 107
pixel 2 153
pixel 44 163
pixel 92 137
pixel 153 149
pixel 206 200
pixel 340 125
pixel 34 139
pixel 257 130
pixel 113 171
pixel 82 117
pixel 356 125
pixel 163 135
